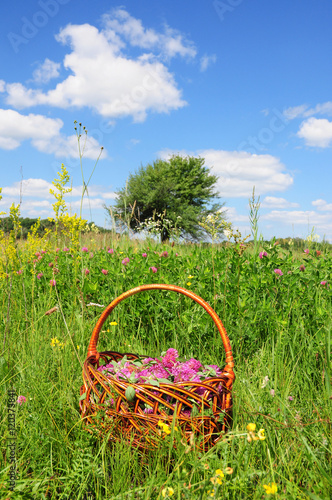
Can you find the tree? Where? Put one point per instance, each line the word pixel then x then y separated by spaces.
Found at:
pixel 176 193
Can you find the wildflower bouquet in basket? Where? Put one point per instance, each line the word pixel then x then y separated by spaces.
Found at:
pixel 129 396
pixel 166 369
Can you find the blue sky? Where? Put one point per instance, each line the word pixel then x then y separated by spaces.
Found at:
pixel 244 84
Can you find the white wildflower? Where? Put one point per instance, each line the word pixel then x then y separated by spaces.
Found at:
pixel 265 381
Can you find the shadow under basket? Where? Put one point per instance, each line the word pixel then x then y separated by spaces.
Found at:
pixel 200 411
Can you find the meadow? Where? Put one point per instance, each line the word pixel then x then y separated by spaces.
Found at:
pixel 276 305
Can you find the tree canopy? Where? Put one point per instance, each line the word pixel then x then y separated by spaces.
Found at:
pixel 177 191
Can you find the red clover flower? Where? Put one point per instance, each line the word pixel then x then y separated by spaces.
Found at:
pixel 21 400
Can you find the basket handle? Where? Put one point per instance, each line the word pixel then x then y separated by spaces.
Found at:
pixel 92 349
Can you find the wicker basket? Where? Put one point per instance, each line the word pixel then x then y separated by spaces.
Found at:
pixel 105 408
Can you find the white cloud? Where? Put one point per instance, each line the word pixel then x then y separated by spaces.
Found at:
pixel 46 71
pixel 35 212
pixel 105 80
pixel 273 202
pixel 38 188
pixel 37 200
pixel 132 143
pixel 316 132
pixel 239 172
pixel 302 217
pixel 304 111
pixel 66 146
pixel 206 61
pixel 171 43
pixel 88 203
pixel 299 221
pixel 2 85
pixel 15 128
pixel 233 216
pixel 322 205
pixel 44 134
pixel 40 204
pixel 295 111
pixel 322 109
pixel 93 192
pixel 109 196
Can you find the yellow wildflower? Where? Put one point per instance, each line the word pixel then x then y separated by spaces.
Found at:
pixel 251 427
pixel 229 470
pixel 167 492
pixel 164 427
pixel 113 323
pixel 270 488
pixel 261 434
pixel 190 277
pixel 217 478
pixel 211 493
pixel 188 284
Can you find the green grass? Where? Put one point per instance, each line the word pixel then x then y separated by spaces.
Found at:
pixel 279 327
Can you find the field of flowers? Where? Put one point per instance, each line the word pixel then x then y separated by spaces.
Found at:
pixel 276 305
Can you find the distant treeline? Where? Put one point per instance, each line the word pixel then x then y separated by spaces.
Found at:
pixel 6 225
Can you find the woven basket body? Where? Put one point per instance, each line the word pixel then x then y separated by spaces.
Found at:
pixel 201 409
